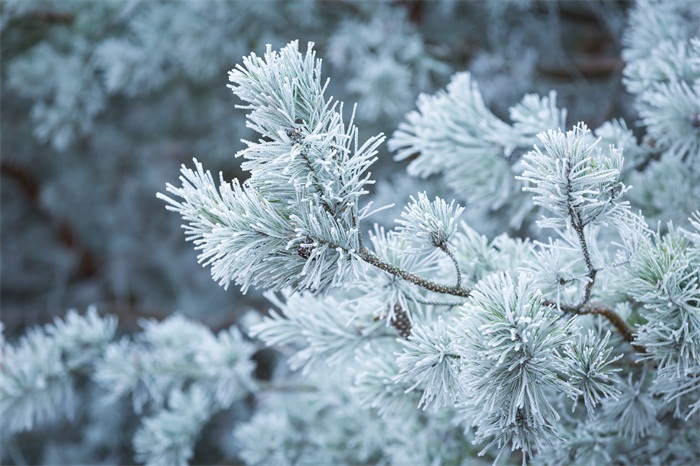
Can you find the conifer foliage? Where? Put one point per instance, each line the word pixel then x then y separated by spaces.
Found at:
pixel 426 343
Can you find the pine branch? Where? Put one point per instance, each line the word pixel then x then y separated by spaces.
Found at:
pixel 276 387
pixel 445 248
pixel 317 187
pixel 429 285
pixel 438 303
pixel 583 307
pixel 624 329
pixel 298 138
pixel 371 259
pixel 618 322
pixel 578 224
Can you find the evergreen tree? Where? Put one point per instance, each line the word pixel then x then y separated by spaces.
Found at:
pixel 535 310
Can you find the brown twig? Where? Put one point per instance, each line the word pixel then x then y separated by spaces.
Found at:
pixel 622 327
pixel 52 17
pixel 618 322
pixel 30 186
pixel 584 307
pixel 458 271
pixel 371 259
